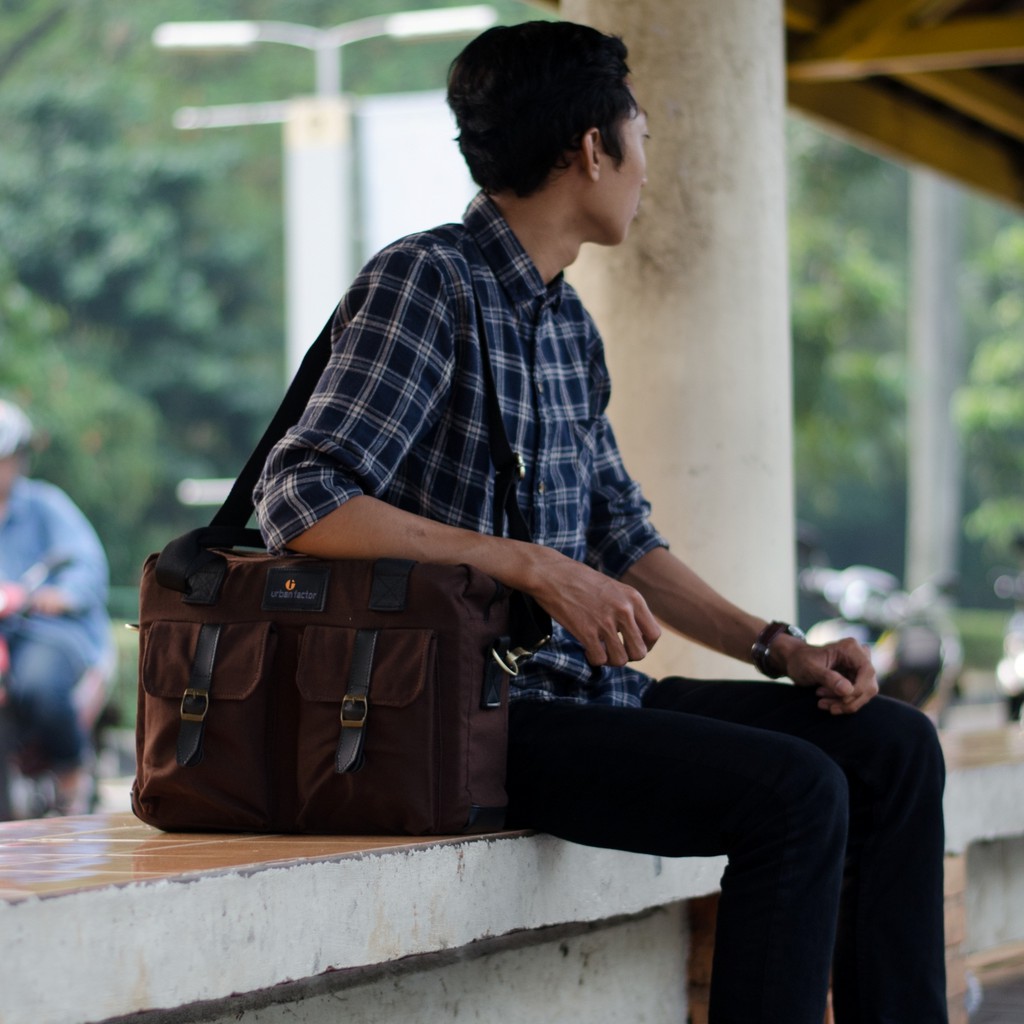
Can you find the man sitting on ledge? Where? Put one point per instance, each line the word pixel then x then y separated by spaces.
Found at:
pixel 827 802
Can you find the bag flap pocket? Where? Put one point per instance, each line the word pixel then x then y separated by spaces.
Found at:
pixel 401 662
pixel 240 659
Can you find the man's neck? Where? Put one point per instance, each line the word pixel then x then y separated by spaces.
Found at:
pixel 542 224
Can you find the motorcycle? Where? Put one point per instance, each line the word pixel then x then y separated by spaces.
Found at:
pixel 1010 670
pixel 914 645
pixel 28 786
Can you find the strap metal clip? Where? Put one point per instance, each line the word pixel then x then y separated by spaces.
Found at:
pixel 508 658
pixel 353 712
pixel 190 695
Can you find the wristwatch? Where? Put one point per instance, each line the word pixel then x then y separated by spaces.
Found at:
pixel 762 645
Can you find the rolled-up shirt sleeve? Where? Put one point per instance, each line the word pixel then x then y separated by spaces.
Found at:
pixel 389 370
pixel 620 532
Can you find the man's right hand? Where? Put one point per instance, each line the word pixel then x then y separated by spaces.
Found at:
pixel 610 619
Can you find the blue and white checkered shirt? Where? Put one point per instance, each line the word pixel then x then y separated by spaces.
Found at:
pixel 400 414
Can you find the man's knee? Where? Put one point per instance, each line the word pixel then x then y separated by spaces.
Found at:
pixel 803 807
pixel 828 798
pixel 905 740
pixel 812 792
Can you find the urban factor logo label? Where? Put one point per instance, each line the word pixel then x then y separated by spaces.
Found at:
pixel 296 590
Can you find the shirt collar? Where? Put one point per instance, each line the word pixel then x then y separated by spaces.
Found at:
pixel 515 271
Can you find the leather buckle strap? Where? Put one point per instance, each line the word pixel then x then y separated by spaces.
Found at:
pixel 355 706
pixel 195 702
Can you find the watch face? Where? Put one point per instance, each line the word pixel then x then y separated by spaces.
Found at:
pixel 797 632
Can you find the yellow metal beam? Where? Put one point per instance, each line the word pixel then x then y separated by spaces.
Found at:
pixel 979 96
pixel 953 45
pixel 861 20
pixel 805 15
pixel 938 10
pixel 859 24
pixel 880 121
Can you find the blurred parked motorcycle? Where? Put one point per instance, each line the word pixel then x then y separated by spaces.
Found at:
pixel 1010 670
pixel 915 646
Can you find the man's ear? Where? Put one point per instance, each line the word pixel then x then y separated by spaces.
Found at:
pixel 591 153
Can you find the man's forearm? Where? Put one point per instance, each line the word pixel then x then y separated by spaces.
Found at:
pixel 686 604
pixel 366 527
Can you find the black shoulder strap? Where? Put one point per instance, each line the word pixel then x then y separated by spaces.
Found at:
pixel 186 563
pixel 238 505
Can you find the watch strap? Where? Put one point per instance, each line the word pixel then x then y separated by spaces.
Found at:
pixel 761 650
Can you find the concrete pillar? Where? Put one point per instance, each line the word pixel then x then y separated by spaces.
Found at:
pixel 694 306
pixel 935 369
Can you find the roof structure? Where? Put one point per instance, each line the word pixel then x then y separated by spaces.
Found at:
pixel 938 83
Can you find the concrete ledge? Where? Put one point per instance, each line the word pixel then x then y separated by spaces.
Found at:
pixel 104 952
pixel 984 814
pixel 984 784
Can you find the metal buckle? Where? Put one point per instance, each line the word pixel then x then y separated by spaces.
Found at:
pixel 193 694
pixel 508 660
pixel 353 712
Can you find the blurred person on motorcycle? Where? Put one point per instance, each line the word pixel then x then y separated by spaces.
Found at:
pixel 57 630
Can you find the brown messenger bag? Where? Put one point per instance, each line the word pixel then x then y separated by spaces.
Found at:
pixel 294 694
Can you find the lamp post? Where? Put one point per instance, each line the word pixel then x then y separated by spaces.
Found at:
pixel 318 174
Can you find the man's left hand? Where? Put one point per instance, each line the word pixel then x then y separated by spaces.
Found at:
pixel 841 672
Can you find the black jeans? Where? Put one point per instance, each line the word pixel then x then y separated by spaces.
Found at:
pixel 832 827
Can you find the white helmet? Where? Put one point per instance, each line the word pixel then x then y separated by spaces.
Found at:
pixel 15 429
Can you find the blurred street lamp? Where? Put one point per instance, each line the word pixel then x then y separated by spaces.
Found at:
pixel 318 175
pixel 326 43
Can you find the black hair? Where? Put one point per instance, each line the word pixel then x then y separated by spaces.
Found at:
pixel 524 95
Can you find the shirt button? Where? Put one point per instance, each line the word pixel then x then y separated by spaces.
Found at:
pixel 540 488
pixel 540 387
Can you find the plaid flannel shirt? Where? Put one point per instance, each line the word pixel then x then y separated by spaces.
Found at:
pixel 400 414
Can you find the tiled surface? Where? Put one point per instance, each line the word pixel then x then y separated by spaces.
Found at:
pixel 55 855
pixel 983 747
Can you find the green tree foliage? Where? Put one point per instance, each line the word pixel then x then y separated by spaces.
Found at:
pixel 141 294
pixel 151 352
pixel 848 289
pixel 93 435
pixel 849 258
pixel 990 406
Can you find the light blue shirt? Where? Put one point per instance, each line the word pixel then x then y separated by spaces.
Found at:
pixel 41 521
